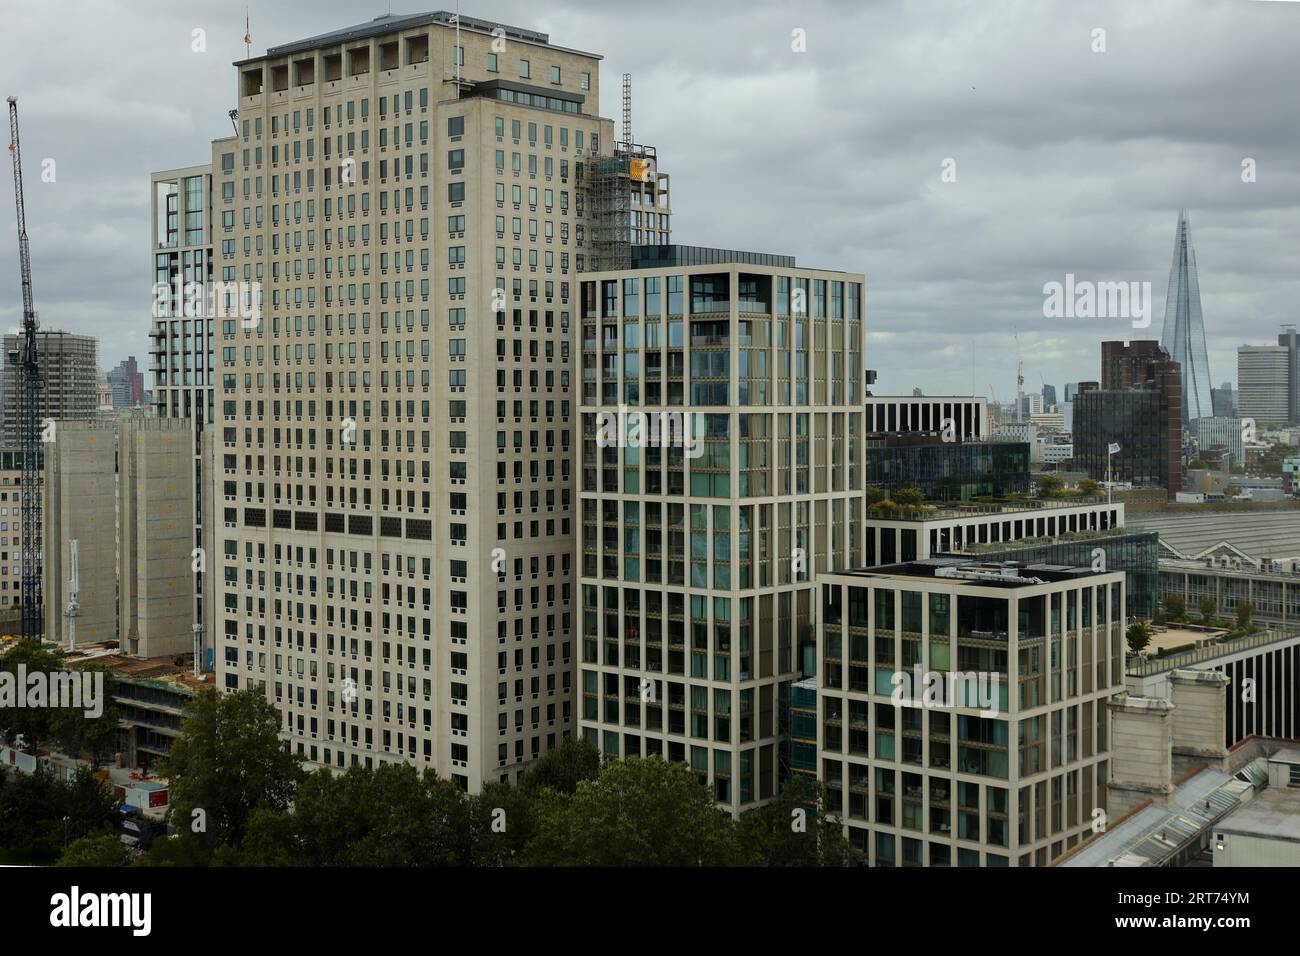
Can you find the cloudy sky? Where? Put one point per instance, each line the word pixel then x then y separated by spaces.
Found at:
pixel 1067 160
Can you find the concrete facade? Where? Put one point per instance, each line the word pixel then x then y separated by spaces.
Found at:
pixel 1142 765
pixel 80 505
pixel 389 556
pixel 155 521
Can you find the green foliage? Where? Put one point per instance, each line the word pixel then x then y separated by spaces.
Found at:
pixel 568 810
pixel 1245 611
pixel 794 830
pixel 63 728
pixel 564 767
pixel 875 495
pixel 1208 606
pixel 228 762
pixel 1089 486
pixel 1175 607
pixel 1050 486
pixel 391 815
pixel 105 849
pixel 1138 636
pixel 33 808
pixel 637 813
pixel 908 497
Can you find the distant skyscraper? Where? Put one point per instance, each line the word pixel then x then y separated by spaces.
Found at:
pixel 1224 399
pixel 1292 343
pixel 1263 383
pixel 1184 332
pixel 126 382
pixel 69 370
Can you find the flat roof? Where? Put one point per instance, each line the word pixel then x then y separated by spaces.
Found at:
pixel 1274 814
pixel 676 254
pixel 394 23
pixel 1024 576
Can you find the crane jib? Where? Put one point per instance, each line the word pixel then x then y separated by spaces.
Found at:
pixel 29 402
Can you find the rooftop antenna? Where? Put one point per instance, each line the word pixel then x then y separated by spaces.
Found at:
pixel 248 38
pixel 1020 377
pixel 627 108
pixel 457 55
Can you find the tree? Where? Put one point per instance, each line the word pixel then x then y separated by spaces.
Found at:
pixel 1138 636
pixel 1175 607
pixel 40 814
pixel 390 815
pixel 908 497
pixel 564 767
pixel 69 729
pixel 638 812
pixel 794 830
pixel 1049 486
pixel 502 823
pixel 1208 605
pixel 875 495
pixel 105 849
pixel 1089 486
pixel 1245 611
pixel 228 761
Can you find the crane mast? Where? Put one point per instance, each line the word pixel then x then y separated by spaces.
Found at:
pixel 29 370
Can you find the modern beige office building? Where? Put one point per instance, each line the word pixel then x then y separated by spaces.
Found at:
pixel 155 520
pixel 80 506
pixel 699 545
pixel 961 708
pixel 392 512
pixel 192 296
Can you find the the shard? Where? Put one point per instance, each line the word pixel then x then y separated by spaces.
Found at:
pixel 1183 336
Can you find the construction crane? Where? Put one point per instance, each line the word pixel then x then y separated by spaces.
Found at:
pixel 29 371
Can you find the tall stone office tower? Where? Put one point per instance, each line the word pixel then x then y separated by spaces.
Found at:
pixel 1183 336
pixel 392 508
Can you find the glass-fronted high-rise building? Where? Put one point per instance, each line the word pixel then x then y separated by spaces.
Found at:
pixel 1184 330
pixel 697 564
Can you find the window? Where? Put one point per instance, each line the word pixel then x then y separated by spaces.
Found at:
pixel 456 192
pixel 455 159
pixel 555 74
pixel 492 62
pixel 584 81
pixel 455 126
pixel 524 70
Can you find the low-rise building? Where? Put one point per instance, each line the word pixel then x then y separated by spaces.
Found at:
pixel 962 708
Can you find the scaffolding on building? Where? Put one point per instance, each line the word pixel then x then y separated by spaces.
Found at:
pixel 632 169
